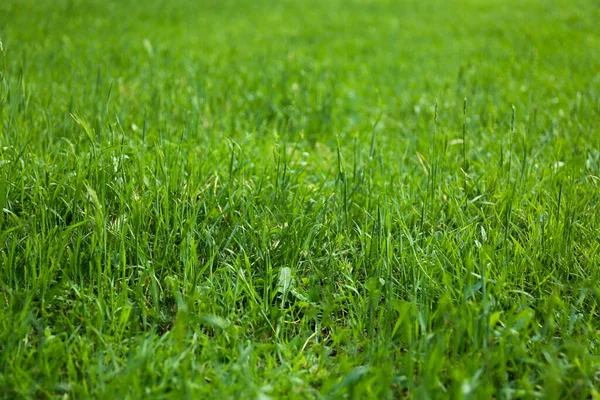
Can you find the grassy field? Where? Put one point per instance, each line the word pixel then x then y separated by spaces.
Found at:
pixel 300 199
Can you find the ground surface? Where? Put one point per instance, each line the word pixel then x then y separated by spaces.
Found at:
pixel 293 198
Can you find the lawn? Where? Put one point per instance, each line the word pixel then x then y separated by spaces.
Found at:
pixel 300 199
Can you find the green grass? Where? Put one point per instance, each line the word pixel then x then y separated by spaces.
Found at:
pixel 303 199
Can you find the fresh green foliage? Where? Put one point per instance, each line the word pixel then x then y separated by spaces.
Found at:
pixel 314 198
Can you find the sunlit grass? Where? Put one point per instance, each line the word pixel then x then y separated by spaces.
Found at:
pixel 363 199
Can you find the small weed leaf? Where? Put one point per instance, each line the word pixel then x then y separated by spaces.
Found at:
pixel 523 320
pixel 214 321
pixel 285 280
